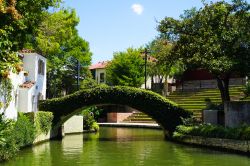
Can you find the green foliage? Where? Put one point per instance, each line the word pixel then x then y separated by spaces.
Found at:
pixel 212 131
pixel 90 116
pixel 5 93
pixel 15 135
pixel 21 19
pixel 88 83
pixel 216 38
pixel 43 122
pixel 165 64
pixel 95 127
pixel 126 68
pixel 165 112
pixel 58 39
pixel 8 146
pixel 247 89
pixel 88 119
pixel 8 62
pixel 24 131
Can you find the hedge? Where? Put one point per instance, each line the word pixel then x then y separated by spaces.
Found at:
pixel 213 131
pixel 8 146
pixel 162 110
pixel 43 122
pixel 17 134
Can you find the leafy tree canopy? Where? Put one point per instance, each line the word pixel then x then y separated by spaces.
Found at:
pixel 215 37
pixel 165 64
pixel 126 68
pixel 58 40
pixel 18 20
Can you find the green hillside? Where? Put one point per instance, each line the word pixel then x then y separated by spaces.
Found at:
pixel 195 101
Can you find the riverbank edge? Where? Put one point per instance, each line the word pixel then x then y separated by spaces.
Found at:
pixel 47 137
pixel 131 125
pixel 228 145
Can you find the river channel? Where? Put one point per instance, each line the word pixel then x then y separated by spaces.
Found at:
pixel 122 147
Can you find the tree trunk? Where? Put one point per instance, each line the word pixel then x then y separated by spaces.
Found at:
pixel 165 89
pixel 223 85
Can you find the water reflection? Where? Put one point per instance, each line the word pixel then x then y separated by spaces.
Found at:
pixel 122 147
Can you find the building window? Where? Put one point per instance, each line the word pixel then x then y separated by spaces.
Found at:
pixel 41 67
pixel 101 77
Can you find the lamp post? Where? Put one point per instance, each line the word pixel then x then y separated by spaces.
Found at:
pixel 78 75
pixel 145 52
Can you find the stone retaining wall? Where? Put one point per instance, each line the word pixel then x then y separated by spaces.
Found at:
pixel 73 125
pixel 226 144
pixel 237 113
pixel 42 137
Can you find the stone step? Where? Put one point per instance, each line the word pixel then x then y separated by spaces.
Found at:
pixel 139 117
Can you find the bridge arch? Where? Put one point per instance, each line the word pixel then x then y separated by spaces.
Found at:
pixel 165 112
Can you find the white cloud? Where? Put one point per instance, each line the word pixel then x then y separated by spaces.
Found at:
pixel 137 8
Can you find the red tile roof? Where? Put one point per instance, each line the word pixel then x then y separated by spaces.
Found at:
pixel 26 51
pixel 29 51
pixel 27 84
pixel 99 65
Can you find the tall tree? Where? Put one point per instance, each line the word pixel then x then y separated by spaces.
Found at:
pixel 126 68
pixel 215 37
pixel 18 20
pixel 164 66
pixel 58 40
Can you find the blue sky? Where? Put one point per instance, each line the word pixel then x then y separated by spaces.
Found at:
pixel 114 25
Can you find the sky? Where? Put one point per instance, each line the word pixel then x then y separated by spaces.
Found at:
pixel 115 25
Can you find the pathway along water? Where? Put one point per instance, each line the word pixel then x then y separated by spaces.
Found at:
pixel 122 147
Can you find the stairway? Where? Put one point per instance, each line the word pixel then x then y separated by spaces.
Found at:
pixel 138 117
pixel 195 101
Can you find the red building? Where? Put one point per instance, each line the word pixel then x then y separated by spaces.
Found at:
pixel 201 79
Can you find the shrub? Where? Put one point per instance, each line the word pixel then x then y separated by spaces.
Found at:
pixel 88 119
pixel 212 131
pixel 245 134
pixel 15 135
pixel 43 122
pixel 24 131
pixel 247 89
pixel 90 116
pixel 8 146
pixel 88 83
pixel 95 127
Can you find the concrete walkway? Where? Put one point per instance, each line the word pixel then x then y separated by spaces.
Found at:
pixel 135 125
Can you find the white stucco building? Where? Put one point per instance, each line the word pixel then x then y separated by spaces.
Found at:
pixel 98 71
pixel 29 85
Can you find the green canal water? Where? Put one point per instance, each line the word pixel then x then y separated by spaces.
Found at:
pixel 122 147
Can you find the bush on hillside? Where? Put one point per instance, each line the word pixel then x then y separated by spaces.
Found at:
pixel 213 131
pixel 247 89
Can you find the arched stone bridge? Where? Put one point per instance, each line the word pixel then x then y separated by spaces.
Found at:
pixel 165 112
